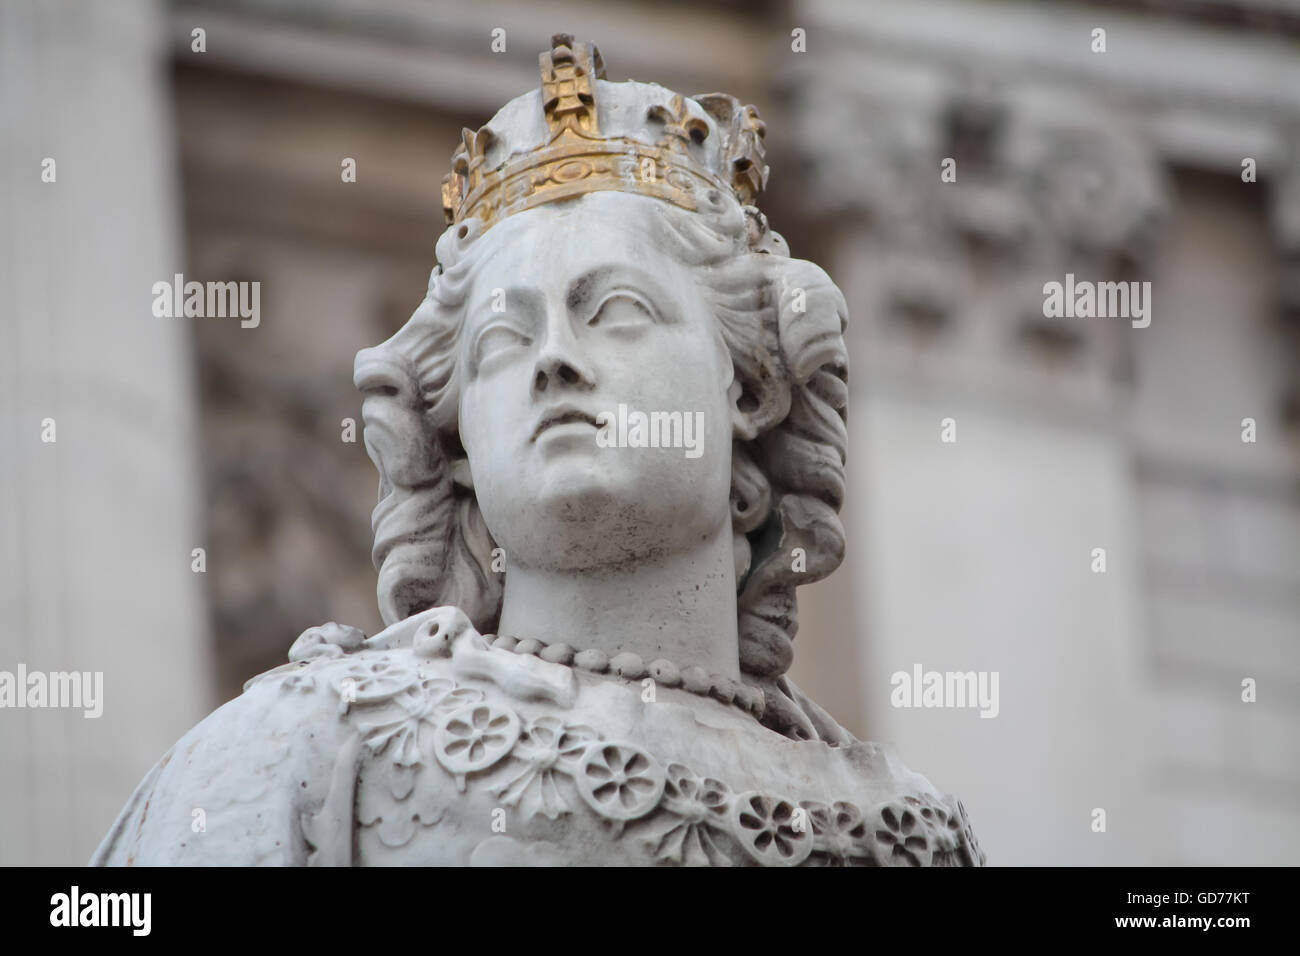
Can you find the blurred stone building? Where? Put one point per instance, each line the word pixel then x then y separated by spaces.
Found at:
pixel 219 154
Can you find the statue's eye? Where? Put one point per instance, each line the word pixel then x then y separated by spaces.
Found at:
pixel 622 310
pixel 498 339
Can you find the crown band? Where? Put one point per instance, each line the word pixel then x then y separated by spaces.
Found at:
pixel 576 159
pixel 572 170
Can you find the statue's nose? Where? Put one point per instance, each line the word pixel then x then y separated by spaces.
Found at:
pixel 559 366
pixel 560 371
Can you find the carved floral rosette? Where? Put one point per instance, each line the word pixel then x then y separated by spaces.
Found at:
pixel 422 742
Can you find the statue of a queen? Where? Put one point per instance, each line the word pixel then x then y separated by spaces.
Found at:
pixel 610 444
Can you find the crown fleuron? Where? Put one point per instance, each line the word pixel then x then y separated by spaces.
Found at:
pixel 581 134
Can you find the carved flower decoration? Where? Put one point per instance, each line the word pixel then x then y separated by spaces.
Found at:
pixel 932 812
pixel 402 733
pixel 840 835
pixel 433 689
pixel 765 826
pixel 547 749
pixel 620 781
pixel 474 738
pixel 367 682
pixel 454 700
pixel 902 838
pixel 400 795
pixel 419 703
pixel 944 828
pixel 696 811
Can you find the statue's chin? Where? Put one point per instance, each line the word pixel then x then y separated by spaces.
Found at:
pixel 591 523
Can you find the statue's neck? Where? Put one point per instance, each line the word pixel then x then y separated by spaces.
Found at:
pixel 681 608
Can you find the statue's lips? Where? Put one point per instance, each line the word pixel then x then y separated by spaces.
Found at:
pixel 563 416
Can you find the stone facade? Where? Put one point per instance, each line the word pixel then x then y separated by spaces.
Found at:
pixel 1120 691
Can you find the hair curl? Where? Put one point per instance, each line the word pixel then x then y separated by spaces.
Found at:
pixel 782 320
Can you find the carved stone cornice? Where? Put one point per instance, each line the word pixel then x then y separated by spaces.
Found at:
pixel 1152 77
pixel 1036 195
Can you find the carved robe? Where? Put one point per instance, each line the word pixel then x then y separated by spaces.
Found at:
pixel 449 751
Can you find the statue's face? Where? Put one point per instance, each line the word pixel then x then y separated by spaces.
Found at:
pixel 572 312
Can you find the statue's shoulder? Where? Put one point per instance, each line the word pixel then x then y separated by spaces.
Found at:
pixel 232 791
pixel 270 777
pixel 430 744
pixel 905 820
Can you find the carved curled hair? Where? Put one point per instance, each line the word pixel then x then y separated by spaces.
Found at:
pixel 782 320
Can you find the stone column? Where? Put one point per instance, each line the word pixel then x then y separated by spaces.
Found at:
pixel 97 525
pixel 988 446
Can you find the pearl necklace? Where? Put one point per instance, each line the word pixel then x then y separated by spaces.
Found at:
pixel 632 667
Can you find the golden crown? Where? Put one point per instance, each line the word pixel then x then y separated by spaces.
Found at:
pixel 656 143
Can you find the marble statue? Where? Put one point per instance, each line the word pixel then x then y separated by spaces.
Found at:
pixel 610 445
